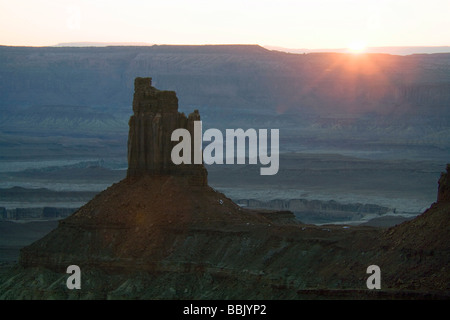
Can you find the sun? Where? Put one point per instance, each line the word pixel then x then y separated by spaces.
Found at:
pixel 357 47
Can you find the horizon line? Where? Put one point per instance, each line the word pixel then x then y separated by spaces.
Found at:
pixel 368 49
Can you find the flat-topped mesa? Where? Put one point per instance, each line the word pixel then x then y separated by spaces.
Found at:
pixel 155 117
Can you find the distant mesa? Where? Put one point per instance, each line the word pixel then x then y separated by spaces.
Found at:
pixel 102 44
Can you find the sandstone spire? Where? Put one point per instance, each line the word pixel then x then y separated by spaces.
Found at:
pixel 155 117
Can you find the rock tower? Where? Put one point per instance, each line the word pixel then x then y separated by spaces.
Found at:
pixel 444 186
pixel 155 117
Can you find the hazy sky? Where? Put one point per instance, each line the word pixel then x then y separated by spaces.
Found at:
pixel 286 23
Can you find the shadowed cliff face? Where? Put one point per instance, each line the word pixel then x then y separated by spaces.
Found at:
pixel 444 186
pixel 155 117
